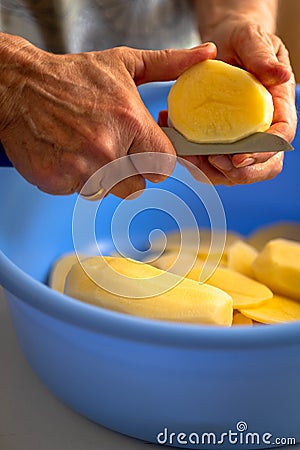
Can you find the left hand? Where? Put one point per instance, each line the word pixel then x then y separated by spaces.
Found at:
pixel 247 45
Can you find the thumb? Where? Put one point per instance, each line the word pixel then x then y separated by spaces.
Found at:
pixel 166 65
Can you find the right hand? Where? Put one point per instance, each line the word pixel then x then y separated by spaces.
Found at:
pixel 62 117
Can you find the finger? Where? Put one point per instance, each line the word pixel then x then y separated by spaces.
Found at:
pixel 267 59
pixel 130 188
pixel 252 173
pixel 166 65
pixel 118 177
pixel 282 53
pixel 105 165
pixel 285 114
pixel 157 156
pixel 247 159
pixel 203 166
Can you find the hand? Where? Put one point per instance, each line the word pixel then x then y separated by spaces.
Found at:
pixel 247 45
pixel 65 116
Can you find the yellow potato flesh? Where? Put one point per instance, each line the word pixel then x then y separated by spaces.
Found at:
pixel 278 309
pixel 240 258
pixel 278 266
pixel 185 241
pixel 240 319
pixel 280 230
pixel 177 262
pixel 215 102
pixel 60 270
pixel 279 261
pixel 244 291
pixel 187 301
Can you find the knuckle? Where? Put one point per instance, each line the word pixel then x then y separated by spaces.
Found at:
pixel 74 165
pixel 102 151
pixel 120 50
pixel 277 166
pixel 126 55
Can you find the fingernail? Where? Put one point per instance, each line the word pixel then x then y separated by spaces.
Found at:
pixel 221 162
pixel 206 44
pixel 244 163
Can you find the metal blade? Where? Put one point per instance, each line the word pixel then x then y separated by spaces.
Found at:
pixel 255 143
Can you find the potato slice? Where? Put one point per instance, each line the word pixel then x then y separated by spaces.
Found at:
pixel 177 262
pixel 213 101
pixel 175 239
pixel 278 266
pixel 60 271
pixel 278 309
pixel 244 291
pixel 187 301
pixel 240 319
pixel 240 258
pixel 182 262
pixel 280 230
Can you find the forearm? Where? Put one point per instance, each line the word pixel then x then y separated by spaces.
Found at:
pixel 210 13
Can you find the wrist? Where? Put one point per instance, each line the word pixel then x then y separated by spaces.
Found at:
pixel 213 13
pixel 228 21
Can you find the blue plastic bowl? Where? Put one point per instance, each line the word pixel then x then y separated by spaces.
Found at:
pixel 144 378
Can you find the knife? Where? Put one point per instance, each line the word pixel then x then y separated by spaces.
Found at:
pixel 255 143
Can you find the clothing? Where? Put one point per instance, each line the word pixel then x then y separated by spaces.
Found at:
pixel 70 26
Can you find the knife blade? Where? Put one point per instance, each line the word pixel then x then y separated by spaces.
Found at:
pixel 255 143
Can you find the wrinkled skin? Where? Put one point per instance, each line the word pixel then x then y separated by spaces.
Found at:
pixel 72 114
pixel 248 46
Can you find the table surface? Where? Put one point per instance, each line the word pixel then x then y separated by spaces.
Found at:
pixel 32 418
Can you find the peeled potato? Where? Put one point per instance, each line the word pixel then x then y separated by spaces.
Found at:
pixel 280 230
pixel 240 319
pixel 186 239
pixel 278 266
pixel 240 258
pixel 278 309
pixel 187 301
pixel 60 271
pixel 178 262
pixel 213 101
pixel 244 291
